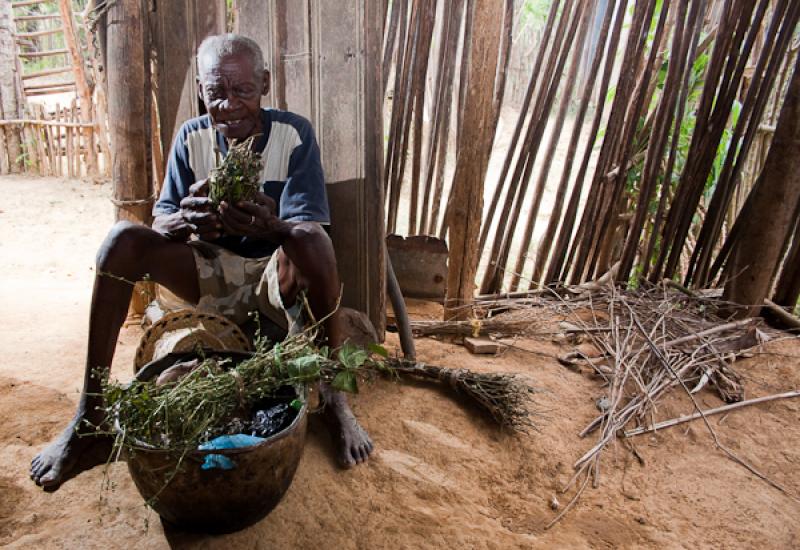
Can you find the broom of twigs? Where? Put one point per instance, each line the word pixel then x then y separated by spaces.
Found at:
pixel 506 397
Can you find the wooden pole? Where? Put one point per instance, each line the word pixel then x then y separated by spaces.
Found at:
pixel 474 147
pixel 751 269
pixel 129 109
pixel 79 71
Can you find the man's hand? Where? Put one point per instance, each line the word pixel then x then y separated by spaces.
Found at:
pixel 198 212
pixel 254 219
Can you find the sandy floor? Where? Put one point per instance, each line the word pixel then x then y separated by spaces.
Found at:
pixel 442 476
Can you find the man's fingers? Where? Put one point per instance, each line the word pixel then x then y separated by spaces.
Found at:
pixel 196 203
pixel 265 200
pixel 239 215
pixel 199 188
pixel 201 218
pixel 249 208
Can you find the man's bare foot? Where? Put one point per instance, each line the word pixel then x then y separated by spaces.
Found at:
pixel 70 453
pixel 353 445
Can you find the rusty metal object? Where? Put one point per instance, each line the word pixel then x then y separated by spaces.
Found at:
pixel 217 501
pixel 420 264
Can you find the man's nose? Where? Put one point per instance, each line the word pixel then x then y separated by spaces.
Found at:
pixel 229 104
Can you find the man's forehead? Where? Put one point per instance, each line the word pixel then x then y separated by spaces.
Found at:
pixel 237 67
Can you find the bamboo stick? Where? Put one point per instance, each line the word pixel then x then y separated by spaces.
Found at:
pixel 69 139
pixel 36 34
pixel 785 316
pixel 443 75
pixel 524 109
pixel 420 73
pixel 38 122
pixel 24 3
pixel 51 153
pixel 544 170
pixel 47 72
pixel 518 185
pixel 600 199
pixel 43 165
pixel 46 53
pixel 57 138
pixel 717 410
pixel 716 104
pixel 777 38
pixel 560 264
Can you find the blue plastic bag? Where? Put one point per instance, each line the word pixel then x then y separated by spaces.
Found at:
pixel 235 441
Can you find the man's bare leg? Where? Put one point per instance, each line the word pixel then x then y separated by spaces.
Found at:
pixel 307 262
pixel 129 253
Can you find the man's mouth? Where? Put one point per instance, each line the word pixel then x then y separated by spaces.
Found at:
pixel 232 122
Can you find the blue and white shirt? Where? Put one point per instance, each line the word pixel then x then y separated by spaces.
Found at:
pixel 291 173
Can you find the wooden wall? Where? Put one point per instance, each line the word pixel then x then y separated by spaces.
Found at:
pixel 177 29
pixel 324 57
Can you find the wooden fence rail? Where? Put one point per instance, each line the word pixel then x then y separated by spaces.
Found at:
pixel 56 142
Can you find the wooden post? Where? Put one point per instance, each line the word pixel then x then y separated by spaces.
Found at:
pixel 78 70
pixel 9 99
pixel 757 252
pixel 129 109
pixel 474 147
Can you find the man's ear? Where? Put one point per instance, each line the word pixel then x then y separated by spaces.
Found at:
pixel 265 83
pixel 199 88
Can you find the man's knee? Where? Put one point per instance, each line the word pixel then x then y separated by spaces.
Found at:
pixel 125 240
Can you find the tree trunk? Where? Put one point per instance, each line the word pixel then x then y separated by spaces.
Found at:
pixel 787 289
pixel 9 99
pixel 129 110
pixel 752 266
pixel 474 147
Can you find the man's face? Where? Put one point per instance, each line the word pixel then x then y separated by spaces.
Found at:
pixel 232 94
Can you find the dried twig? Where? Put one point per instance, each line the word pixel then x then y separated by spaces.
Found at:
pixel 709 412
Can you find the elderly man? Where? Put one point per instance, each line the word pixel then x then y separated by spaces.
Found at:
pixel 232 260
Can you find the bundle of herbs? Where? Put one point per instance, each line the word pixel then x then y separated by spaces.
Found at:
pixel 204 402
pixel 237 177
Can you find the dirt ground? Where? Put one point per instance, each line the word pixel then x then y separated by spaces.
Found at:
pixel 441 477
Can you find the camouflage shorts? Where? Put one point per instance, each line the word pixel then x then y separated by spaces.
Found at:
pixel 234 286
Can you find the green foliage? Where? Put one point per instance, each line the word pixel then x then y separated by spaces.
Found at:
pixel 237 178
pixel 181 414
pixel 533 14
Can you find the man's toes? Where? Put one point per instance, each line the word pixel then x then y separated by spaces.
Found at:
pixel 51 478
pixel 346 459
pixel 38 469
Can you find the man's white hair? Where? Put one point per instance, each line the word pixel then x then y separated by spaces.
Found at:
pixel 222 45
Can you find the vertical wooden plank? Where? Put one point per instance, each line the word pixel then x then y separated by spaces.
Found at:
pixel 70 146
pixel 57 141
pixel 179 26
pixel 346 88
pixel 51 156
pixel 38 131
pixel 474 147
pixel 257 20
